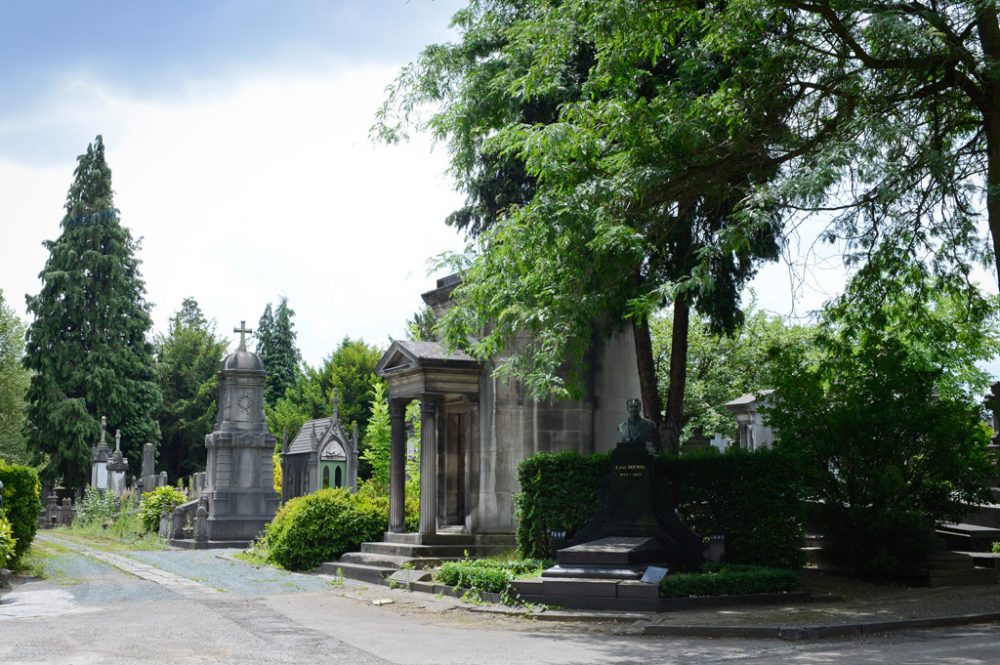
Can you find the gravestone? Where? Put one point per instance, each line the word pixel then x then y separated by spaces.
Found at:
pixel 99 460
pixel 636 522
pixel 240 475
pixel 148 467
pixel 117 468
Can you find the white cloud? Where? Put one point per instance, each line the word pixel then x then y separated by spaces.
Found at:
pixel 262 186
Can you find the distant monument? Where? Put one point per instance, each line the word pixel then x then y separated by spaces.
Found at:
pixel 240 476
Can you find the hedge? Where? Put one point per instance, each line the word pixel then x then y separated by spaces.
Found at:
pixel 21 504
pixel 728 580
pixel 321 526
pixel 751 498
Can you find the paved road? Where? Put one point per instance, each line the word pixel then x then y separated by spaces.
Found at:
pixel 195 607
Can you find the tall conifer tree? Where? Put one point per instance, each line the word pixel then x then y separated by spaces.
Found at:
pixel 87 345
pixel 277 350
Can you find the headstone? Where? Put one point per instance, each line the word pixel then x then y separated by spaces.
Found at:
pixel 240 480
pixel 719 443
pixel 201 521
pixel 99 460
pixel 636 506
pixel 148 467
pixel 161 480
pixel 117 468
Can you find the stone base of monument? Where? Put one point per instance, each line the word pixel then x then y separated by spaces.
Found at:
pixel 192 544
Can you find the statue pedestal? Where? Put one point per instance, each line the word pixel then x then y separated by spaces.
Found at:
pixel 636 503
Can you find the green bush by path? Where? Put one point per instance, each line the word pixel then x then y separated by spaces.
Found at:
pixel 7 542
pixel 21 504
pixel 728 580
pixel 490 575
pixel 96 506
pixel 321 526
pixel 163 498
pixel 752 498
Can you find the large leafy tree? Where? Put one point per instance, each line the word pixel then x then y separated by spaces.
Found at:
pixel 13 385
pixel 187 363
pixel 922 149
pixel 87 346
pixel 658 123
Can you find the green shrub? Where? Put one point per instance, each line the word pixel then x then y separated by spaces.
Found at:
pixel 321 526
pixel 96 506
pixel 7 542
pixel 728 580
pixel 21 504
pixel 558 492
pixel 163 498
pixel 752 498
pixel 492 575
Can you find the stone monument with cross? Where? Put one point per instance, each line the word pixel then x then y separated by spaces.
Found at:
pixel 117 468
pixel 99 456
pixel 240 474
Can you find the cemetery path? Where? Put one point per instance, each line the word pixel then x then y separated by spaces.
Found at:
pixel 184 607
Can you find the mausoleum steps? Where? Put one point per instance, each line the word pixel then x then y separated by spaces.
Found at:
pixel 985 514
pixel 967 537
pixel 430 551
pixel 356 571
pixel 391 561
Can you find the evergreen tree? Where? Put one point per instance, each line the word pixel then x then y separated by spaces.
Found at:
pixel 188 359
pixel 283 355
pixel 13 384
pixel 265 336
pixel 87 345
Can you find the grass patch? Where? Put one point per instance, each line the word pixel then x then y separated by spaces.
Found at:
pixel 490 575
pixel 257 554
pixel 728 579
pixel 122 533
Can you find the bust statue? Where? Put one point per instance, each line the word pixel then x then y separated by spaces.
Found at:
pixel 635 430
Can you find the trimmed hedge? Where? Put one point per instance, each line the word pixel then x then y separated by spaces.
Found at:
pixel 752 498
pixel 21 504
pixel 321 526
pixel 728 580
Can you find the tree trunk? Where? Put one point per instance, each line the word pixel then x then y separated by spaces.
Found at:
pixel 648 389
pixel 989 37
pixel 671 438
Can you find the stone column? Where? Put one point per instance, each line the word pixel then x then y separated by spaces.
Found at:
pixel 428 466
pixel 397 466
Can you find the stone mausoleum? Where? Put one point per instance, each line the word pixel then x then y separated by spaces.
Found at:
pixel 321 455
pixel 476 429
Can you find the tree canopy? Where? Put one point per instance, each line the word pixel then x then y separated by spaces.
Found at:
pixel 13 385
pixel 277 350
pixel 187 363
pixel 87 345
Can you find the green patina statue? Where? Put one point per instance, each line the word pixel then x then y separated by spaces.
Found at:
pixel 636 430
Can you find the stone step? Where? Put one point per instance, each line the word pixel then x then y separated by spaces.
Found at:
pixel 985 514
pixel 357 571
pixel 968 537
pixel 985 559
pixel 420 551
pixel 391 561
pixel 978 576
pixel 448 538
pixel 589 594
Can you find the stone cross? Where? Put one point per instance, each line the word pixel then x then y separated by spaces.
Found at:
pixel 243 331
pixel 718 442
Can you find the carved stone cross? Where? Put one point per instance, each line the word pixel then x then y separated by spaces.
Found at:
pixel 243 331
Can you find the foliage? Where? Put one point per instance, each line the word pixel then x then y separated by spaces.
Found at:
pixel 276 349
pixel 883 414
pixel 321 526
pixel 558 493
pixel 7 542
pixel 721 367
pixel 87 344
pixel 162 499
pixel 377 437
pixel 21 503
pixel 728 580
pixel 921 152
pixel 754 499
pixel 13 385
pixel 276 465
pixel 751 498
pixel 635 135
pixel 96 506
pixel 492 575
pixel 421 327
pixel 187 362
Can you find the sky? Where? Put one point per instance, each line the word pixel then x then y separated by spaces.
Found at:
pixel 237 132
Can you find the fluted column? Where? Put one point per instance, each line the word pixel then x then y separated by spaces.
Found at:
pixel 428 466
pixel 397 466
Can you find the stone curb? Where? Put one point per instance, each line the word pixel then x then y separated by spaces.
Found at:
pixel 818 632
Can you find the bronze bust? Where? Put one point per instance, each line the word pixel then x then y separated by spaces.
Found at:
pixel 635 430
